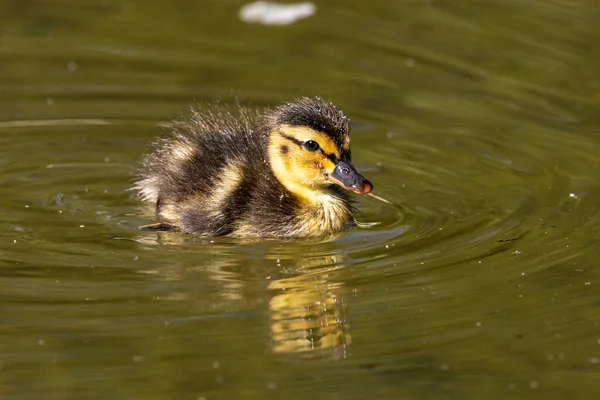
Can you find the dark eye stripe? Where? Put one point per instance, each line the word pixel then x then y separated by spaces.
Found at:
pixel 291 139
pixel 300 143
pixel 331 157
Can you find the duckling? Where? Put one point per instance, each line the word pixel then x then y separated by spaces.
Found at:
pixel 285 172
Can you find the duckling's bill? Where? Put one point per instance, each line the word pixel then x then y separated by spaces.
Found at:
pixel 346 176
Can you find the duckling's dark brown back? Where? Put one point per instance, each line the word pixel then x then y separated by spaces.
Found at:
pixel 199 175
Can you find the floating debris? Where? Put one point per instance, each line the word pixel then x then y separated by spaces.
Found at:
pixel 270 13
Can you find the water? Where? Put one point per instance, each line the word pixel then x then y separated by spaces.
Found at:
pixel 478 123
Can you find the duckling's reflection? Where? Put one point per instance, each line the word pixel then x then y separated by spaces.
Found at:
pixel 306 308
pixel 307 318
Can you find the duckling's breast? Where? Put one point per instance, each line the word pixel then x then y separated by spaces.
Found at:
pixel 329 214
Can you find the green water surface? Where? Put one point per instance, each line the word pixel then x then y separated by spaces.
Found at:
pixel 477 278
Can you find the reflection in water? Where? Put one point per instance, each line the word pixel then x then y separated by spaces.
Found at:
pixel 307 318
pixel 307 311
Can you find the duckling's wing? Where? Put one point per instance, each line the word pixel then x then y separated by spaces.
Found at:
pixel 197 175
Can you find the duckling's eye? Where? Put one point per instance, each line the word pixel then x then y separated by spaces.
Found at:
pixel 311 145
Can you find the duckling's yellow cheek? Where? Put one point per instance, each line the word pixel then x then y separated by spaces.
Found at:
pixel 309 166
pixel 328 165
pixel 287 164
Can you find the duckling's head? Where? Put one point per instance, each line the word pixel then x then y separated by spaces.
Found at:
pixel 309 148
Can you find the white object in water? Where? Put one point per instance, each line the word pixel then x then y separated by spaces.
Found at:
pixel 269 13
